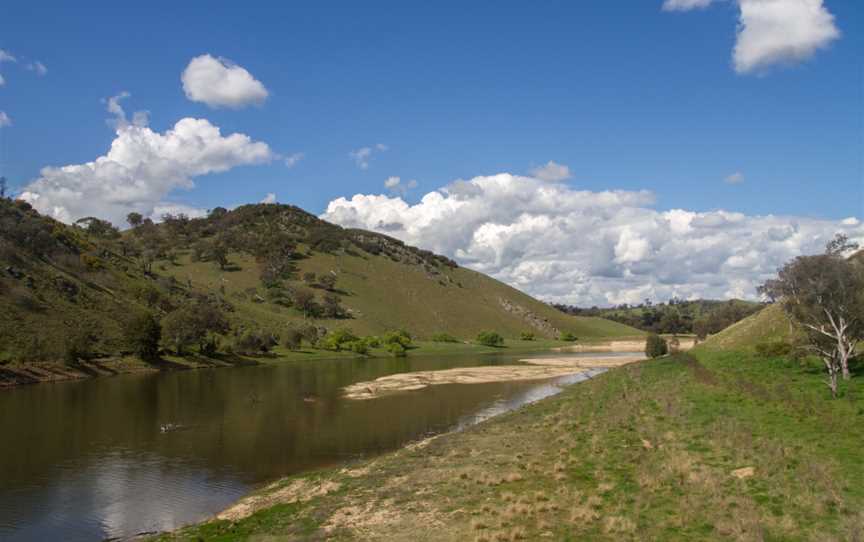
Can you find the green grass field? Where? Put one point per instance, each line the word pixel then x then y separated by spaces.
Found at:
pixel 703 446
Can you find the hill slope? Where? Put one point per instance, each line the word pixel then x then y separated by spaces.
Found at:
pixel 767 325
pixel 256 263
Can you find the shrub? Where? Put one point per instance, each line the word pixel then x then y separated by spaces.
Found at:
pixel 339 339
pixel 569 337
pixel 372 341
pixel 526 336
pixel 292 338
pixel 395 348
pixel 490 338
pixel 655 346
pixel 254 342
pixel 399 336
pixel 444 338
pixel 359 347
pixel 774 349
pixel 142 335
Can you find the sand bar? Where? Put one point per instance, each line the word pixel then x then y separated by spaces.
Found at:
pixel 534 369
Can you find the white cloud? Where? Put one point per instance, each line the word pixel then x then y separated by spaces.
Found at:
pixel 270 198
pixel 218 82
pixel 6 56
pixel 584 247
pixel 2 80
pixel 5 120
pixel 396 186
pixel 37 67
pixel 781 31
pixel 774 31
pixel 141 169
pixel 293 159
pixel 734 178
pixel 685 5
pixel 551 172
pixel 363 155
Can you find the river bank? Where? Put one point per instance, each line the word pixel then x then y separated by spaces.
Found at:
pixel 18 374
pixel 709 446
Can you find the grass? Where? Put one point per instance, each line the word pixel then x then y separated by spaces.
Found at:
pixel 647 451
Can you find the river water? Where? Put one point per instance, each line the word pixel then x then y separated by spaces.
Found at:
pixel 113 457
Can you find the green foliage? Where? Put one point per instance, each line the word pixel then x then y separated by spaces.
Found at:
pixel 655 346
pixel 396 348
pixel 527 336
pixel 569 337
pixel 490 338
pixel 398 336
pixel 774 349
pixel 444 338
pixel 338 339
pixel 191 324
pixel 143 334
pixel 254 342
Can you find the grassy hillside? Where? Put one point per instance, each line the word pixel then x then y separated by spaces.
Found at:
pixel 766 326
pixel 63 285
pixel 711 446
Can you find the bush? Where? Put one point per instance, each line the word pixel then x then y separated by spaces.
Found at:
pixel 142 335
pixel 292 338
pixel 397 349
pixel 655 346
pixel 339 339
pixel 444 338
pixel 252 342
pixel 569 337
pixel 774 349
pixel 359 347
pixel 490 338
pixel 526 336
pixel 372 341
pixel 400 337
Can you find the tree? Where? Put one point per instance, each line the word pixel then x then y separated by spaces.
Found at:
pixel 292 338
pixel 526 336
pixel 193 325
pixel 142 334
pixel 655 346
pixel 331 307
pixel 328 282
pixel 219 253
pixel 824 294
pixel 135 219
pixel 304 300
pixel 490 338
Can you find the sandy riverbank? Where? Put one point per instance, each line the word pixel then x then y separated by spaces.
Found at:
pixel 534 369
pixel 684 344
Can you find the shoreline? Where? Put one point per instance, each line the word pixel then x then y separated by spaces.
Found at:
pixel 14 375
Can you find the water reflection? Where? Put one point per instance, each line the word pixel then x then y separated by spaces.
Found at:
pixel 118 456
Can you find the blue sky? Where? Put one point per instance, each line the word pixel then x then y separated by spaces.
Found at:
pixel 629 96
pixel 662 101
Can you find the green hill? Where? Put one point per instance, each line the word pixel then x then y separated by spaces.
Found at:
pixel 767 325
pixel 64 284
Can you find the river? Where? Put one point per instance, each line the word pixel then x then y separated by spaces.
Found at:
pixel 113 457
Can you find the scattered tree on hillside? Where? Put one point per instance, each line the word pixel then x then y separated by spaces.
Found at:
pixel 142 334
pixel 304 300
pixel 328 282
pixel 825 295
pixel 135 219
pixel 193 324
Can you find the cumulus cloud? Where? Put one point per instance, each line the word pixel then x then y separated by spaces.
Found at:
pixel 37 67
pixel 774 31
pixel 781 31
pixel 584 247
pixel 734 178
pixel 363 155
pixel 270 198
pixel 551 172
pixel 293 159
pixel 6 56
pixel 140 169
pixel 685 5
pixel 396 186
pixel 5 120
pixel 218 82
